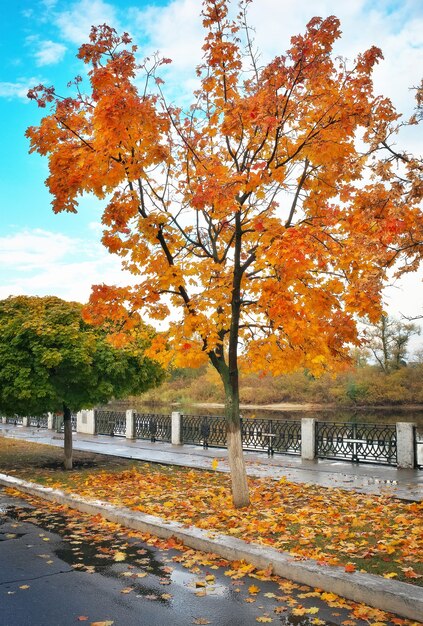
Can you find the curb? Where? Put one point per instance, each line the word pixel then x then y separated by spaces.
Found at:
pixel 396 597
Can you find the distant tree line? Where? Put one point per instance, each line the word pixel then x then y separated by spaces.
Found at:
pixel 380 372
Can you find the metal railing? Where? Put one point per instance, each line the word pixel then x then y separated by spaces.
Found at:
pixel 16 420
pixel 257 434
pixel 39 421
pixel 204 429
pixel 281 436
pixel 153 427
pixel 370 443
pixel 110 422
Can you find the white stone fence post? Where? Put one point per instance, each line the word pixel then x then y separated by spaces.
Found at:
pixel 405 445
pixel 176 428
pixel 85 422
pixel 130 424
pixel 308 438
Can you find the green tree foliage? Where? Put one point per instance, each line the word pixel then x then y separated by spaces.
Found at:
pixel 51 360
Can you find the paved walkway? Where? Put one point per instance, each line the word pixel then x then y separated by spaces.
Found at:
pixel 366 478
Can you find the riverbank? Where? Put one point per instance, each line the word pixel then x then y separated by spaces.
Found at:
pixel 311 406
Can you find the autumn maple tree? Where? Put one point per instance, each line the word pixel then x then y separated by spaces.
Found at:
pixel 261 217
pixel 51 360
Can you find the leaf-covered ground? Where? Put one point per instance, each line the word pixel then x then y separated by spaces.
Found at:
pixel 92 544
pixel 377 534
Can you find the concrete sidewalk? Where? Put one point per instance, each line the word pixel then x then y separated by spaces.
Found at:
pixel 365 478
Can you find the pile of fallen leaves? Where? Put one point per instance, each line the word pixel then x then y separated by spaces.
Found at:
pixel 377 534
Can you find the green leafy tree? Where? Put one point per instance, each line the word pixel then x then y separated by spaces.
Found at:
pixel 51 360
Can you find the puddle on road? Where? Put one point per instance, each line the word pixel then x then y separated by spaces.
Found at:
pixel 8 536
pixel 89 548
pixel 296 620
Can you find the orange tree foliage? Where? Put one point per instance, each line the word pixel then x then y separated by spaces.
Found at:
pixel 257 213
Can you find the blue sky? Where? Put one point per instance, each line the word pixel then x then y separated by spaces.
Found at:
pixel 42 253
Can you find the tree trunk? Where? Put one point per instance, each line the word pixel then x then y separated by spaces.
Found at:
pixel 240 491
pixel 67 424
pixel 229 374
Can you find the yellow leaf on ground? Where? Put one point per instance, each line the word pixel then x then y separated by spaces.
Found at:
pixel 119 556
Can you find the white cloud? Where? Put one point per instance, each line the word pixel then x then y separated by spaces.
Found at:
pixel 396 28
pixel 33 249
pixel 174 30
pixel 49 53
pixel 75 24
pixel 18 89
pixel 39 262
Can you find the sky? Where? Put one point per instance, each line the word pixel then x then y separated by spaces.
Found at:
pixel 46 254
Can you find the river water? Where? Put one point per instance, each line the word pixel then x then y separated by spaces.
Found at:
pixel 389 415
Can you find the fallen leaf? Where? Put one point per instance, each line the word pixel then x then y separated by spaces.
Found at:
pixel 24 586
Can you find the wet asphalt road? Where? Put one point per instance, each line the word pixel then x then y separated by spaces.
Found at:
pixel 58 570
